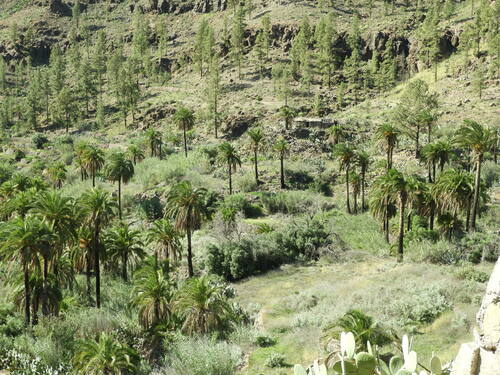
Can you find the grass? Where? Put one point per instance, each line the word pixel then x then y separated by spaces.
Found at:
pixel 371 284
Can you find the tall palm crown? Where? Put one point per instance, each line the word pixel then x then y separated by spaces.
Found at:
pixel 437 154
pixel 167 238
pixel 119 169
pixel 363 161
pixel 153 293
pixel 186 205
pixel 98 207
pixel 56 174
pixel 203 306
pixel 184 118
pixel 256 136
pixel 124 245
pixel 228 155
pixel 105 357
pixel 135 153
pixel 388 134
pixel 153 137
pixel 287 113
pixel 479 140
pixel 346 156
pixel 92 160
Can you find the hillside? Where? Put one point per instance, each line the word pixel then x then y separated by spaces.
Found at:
pixel 204 187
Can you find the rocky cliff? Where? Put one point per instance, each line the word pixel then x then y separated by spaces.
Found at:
pixel 482 356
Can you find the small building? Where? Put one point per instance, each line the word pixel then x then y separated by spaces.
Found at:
pixel 313 122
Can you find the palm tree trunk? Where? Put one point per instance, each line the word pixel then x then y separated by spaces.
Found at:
pixel 97 268
pixel 185 140
pixel 467 221
pixel 362 192
pixel 417 142
pixel 230 171
pixel 355 196
pixel 431 217
pixel 476 193
pixel 34 311
pixel 120 198
pixel 255 164
pixel 189 253
pixel 429 133
pixel 124 267
pixel 347 189
pixel 45 311
pixel 27 295
pixel 88 273
pixel 401 227
pixel 93 179
pixel 282 171
pixel 408 224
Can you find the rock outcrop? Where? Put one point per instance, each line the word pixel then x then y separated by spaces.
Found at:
pixel 482 357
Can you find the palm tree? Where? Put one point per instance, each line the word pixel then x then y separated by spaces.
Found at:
pixel 153 295
pixel 282 149
pixel 388 134
pixel 92 161
pixel 184 118
pixel 154 139
pixel 105 357
pixel 256 137
pixel 435 154
pixel 398 187
pixel 453 191
pixel 98 207
pixel 346 155
pixel 228 155
pixel 124 245
pixel 355 181
pixel 427 120
pixel 80 149
pixel 287 113
pixel 119 169
pixel 204 307
pixel 58 212
pixel 135 153
pixel 479 140
pixel 186 205
pixel 56 174
pixel 363 161
pixel 23 239
pixel 335 133
pixel 166 237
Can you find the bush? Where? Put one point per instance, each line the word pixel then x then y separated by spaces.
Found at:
pixel 276 360
pixel 420 306
pixel 441 252
pixel 264 341
pixel 292 202
pixel 471 274
pixel 231 260
pixel 240 203
pixel 39 140
pixel 6 171
pixel 490 173
pixel 202 356
pixel 479 247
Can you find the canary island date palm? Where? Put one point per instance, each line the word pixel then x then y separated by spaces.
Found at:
pixel 124 245
pixel 346 156
pixel 119 169
pixel 167 240
pixel 388 135
pixel 184 118
pixel 227 155
pixel 24 240
pixel 99 208
pixel 203 306
pixel 135 153
pixel 256 136
pixel 479 139
pixel 154 139
pixel 186 205
pixel 105 356
pixel 153 294
pixel 282 148
pixel 363 161
pixel 335 133
pixel 92 161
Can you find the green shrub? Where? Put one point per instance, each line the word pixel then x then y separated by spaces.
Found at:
pixel 421 306
pixel 276 360
pixel 264 341
pixel 441 252
pixel 471 274
pixel 241 203
pixel 481 247
pixel 202 356
pixel 39 140
pixel 6 171
pixel 490 173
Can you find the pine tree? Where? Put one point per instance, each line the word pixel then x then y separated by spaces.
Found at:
pixel 76 14
pixel 479 81
pixel 99 60
pixel 65 107
pixel 200 45
pixel 213 93
pixel 33 103
pixel 3 75
pixel 45 90
pixel 260 53
pixel 340 94
pixel 237 34
pixel 326 59
pixel 57 70
pixel 266 34
pixel 86 85
pixel 140 38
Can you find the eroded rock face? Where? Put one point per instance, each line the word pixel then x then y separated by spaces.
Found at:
pixel 482 357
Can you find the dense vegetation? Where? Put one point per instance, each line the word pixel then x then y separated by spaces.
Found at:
pixel 202 195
